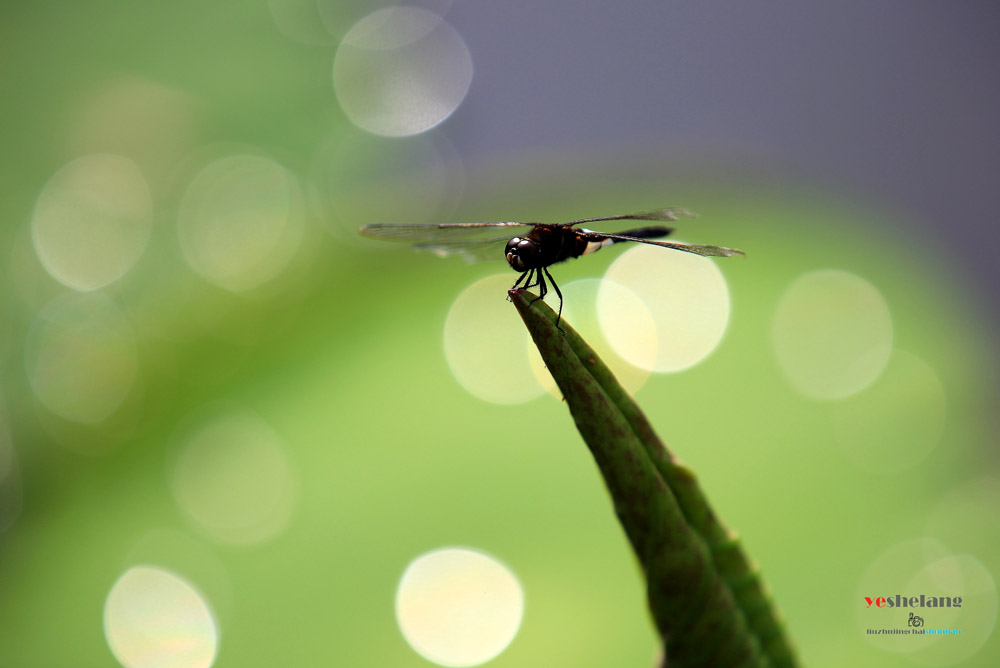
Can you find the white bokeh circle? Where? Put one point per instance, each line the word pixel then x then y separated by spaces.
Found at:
pixel 241 221
pixel 92 221
pixel 686 298
pixel 232 475
pixel 832 334
pixel 495 368
pixel 458 607
pixel 81 356
pixel 401 71
pixel 153 618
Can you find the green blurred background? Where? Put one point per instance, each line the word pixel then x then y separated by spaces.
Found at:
pixel 207 372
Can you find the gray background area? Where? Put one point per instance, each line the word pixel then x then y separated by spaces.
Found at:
pixel 895 102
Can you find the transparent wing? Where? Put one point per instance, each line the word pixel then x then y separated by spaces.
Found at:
pixel 428 233
pixel 715 251
pixel 471 250
pixel 663 215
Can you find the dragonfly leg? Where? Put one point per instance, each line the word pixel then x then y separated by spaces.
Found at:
pixel 542 288
pixel 520 278
pixel 531 277
pixel 558 293
pixel 524 275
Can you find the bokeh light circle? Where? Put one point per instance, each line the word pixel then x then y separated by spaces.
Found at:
pixel 963 575
pixel 458 607
pixel 400 71
pixel 153 618
pixel 686 297
pixel 923 566
pixel 232 475
pixel 897 421
pixel 886 576
pixel 630 320
pixel 484 344
pixel 832 334
pixel 241 221
pixel 92 221
pixel 80 356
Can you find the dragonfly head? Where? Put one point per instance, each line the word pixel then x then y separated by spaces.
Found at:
pixel 522 254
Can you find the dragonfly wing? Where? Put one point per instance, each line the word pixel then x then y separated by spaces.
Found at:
pixel 662 215
pixel 714 251
pixel 434 232
pixel 471 250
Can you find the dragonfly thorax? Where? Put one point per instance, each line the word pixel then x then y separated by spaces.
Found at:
pixel 522 254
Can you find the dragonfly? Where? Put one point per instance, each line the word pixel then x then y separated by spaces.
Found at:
pixel 534 247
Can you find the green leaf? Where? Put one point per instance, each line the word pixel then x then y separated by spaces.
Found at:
pixel 708 602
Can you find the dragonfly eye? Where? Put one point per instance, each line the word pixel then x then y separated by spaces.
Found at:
pixel 521 253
